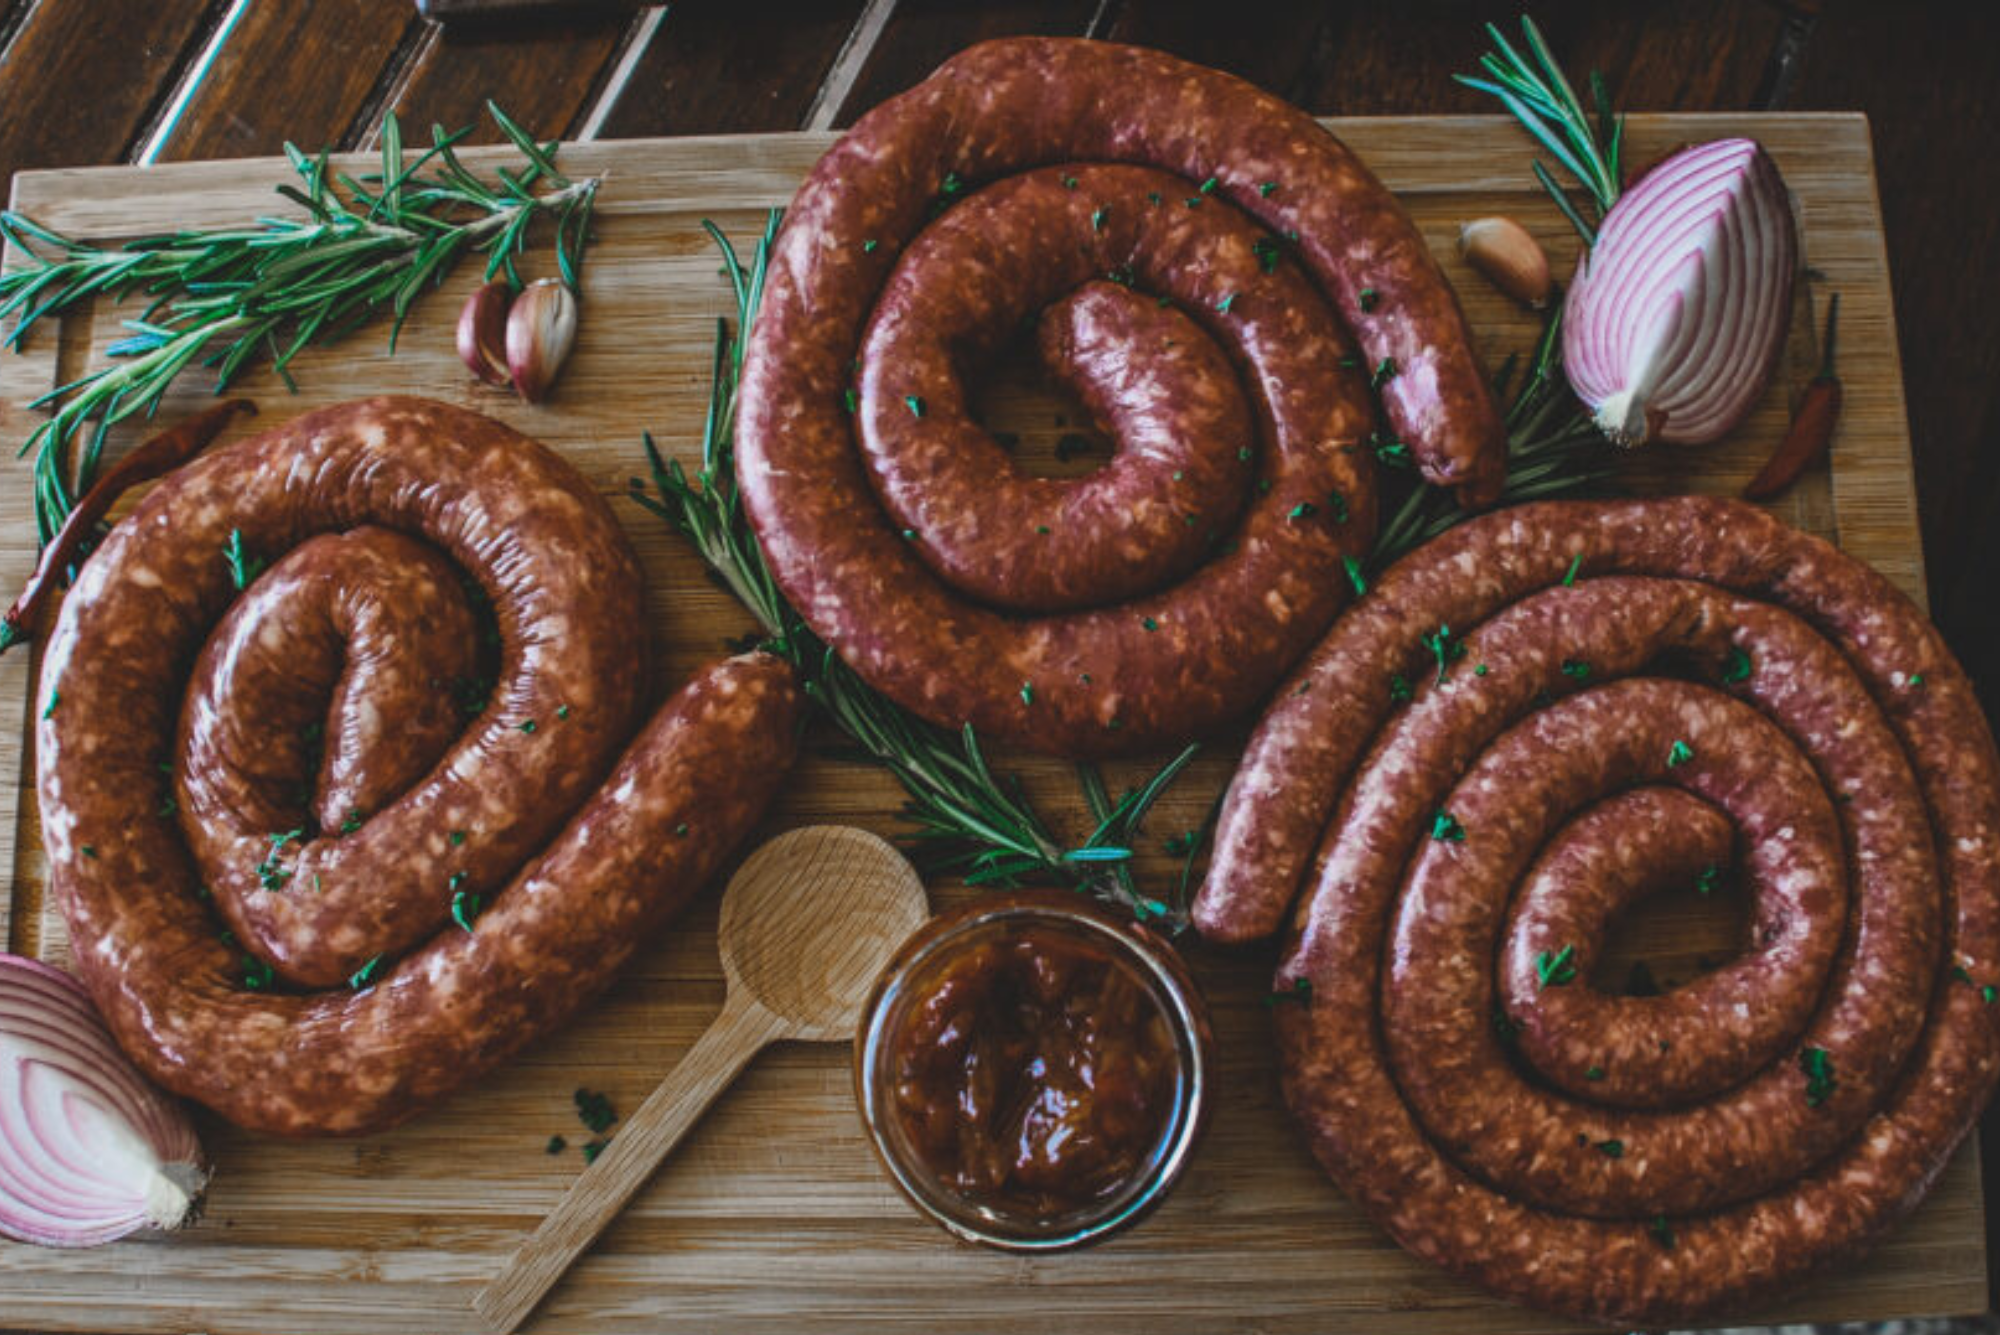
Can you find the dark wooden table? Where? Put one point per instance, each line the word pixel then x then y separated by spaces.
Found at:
pixel 106 81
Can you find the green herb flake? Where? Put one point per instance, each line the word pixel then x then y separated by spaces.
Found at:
pixel 1267 189
pixel 1208 186
pixel 365 975
pixel 1989 993
pixel 593 1148
pixel 557 1145
pixel 952 185
pixel 1710 877
pixel 351 821
pixel 1611 1149
pixel 594 1110
pixel 1385 371
pixel 1736 667
pixel 465 907
pixel 1338 504
pixel 1153 198
pixel 562 711
pixel 1068 181
pixel 1817 1064
pixel 1223 306
pixel 1569 576
pixel 1916 681
pixel 849 400
pixel 169 807
pixel 1679 754
pixel 89 850
pixel 1367 299
pixel 457 838
pixel 455 880
pixel 1098 216
pixel 909 535
pixel 1556 970
pixel 1594 1073
pixel 681 830
pixel 1662 1231
pixel 915 403
pixel 243 567
pixel 1149 623
pixel 257 974
pixel 1444 649
pixel 55 698
pixel 1576 668
pixel 1479 671
pixel 1392 453
pixel 1268 252
pixel 1354 575
pixel 1299 993
pixel 1445 828
pixel 1027 692
pixel 1042 529
pixel 526 725
pixel 1303 510
pixel 868 246
pixel 1399 688
pixel 1505 1027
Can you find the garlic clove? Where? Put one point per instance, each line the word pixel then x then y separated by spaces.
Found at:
pixel 541 329
pixel 1511 259
pixel 482 332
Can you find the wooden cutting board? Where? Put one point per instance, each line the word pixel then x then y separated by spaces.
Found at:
pixel 773 1215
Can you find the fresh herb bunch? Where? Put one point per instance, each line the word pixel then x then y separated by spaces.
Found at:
pixel 970 821
pixel 229 297
pixel 1535 92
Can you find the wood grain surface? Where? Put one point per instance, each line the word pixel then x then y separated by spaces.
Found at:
pixel 773 1214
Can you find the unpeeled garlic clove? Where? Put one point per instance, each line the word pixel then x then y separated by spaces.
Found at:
pixel 482 332
pixel 1512 260
pixel 541 328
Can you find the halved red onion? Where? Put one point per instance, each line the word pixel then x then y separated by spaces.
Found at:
pixel 1678 311
pixel 89 1151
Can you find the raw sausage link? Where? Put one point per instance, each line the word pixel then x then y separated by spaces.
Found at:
pixel 487 883
pixel 860 271
pixel 1665 1158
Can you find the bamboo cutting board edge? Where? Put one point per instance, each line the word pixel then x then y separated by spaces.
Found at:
pixel 662 1259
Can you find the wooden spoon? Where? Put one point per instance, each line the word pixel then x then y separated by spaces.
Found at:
pixel 807 924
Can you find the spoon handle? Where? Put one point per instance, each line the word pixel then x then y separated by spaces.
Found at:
pixel 642 1143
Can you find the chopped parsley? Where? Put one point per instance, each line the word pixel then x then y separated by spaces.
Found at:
pixel 271 874
pixel 1444 649
pixel 1593 1073
pixel 257 974
pixel 365 975
pixel 594 1110
pixel 1303 510
pixel 1366 299
pixel 1354 575
pixel 1556 970
pixel 1098 217
pixel 1710 877
pixel 1208 186
pixel 1611 1149
pixel 1149 623
pixel 1338 504
pixel 465 907
pixel 1662 1231
pixel 1027 692
pixel 562 711
pixel 1736 667
pixel 848 400
pixel 681 830
pixel 1576 668
pixel 1268 189
pixel 458 838
pixel 1916 680
pixel 1068 182
pixel 915 404
pixel 1679 754
pixel 1268 252
pixel 952 185
pixel 243 567
pixel 1446 829
pixel 1224 305
pixel 1399 688
pixel 1391 453
pixel 1569 576
pixel 557 1145
pixel 868 246
pixel 55 698
pixel 1817 1065
pixel 593 1148
pixel 1300 992
pixel 1385 371
pixel 351 821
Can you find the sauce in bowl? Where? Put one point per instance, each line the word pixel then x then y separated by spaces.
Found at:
pixel 1032 1069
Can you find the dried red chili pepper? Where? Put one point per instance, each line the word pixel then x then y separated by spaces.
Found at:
pixel 1812 426
pixel 160 455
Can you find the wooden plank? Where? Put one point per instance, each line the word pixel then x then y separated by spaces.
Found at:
pixel 541 70
pixel 124 52
pixel 307 73
pixel 708 72
pixel 922 33
pixel 774 1216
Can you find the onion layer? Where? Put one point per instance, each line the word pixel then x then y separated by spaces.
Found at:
pixel 1678 311
pixel 89 1151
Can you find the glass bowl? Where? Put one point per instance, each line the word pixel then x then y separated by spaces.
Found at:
pixel 1123 1026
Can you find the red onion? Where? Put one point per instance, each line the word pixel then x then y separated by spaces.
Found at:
pixel 1678 311
pixel 88 1150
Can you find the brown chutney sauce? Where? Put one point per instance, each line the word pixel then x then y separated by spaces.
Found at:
pixel 1036 1071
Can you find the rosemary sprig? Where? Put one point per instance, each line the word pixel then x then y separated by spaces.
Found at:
pixel 230 297
pixel 969 821
pixel 1536 93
